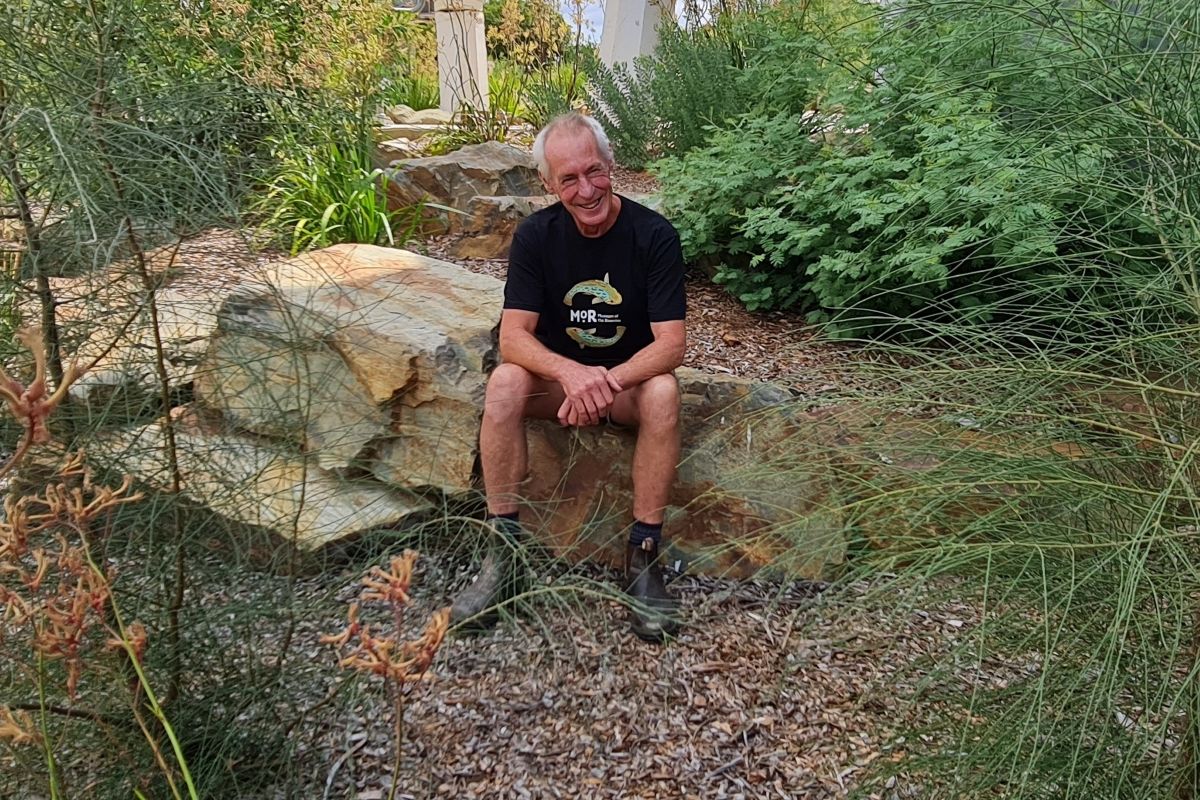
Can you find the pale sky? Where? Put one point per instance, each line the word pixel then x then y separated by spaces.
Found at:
pixel 593 14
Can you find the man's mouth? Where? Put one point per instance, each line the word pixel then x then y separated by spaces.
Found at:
pixel 592 206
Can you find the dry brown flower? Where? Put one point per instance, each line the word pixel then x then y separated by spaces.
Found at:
pixel 15 727
pixel 391 586
pixel 135 637
pixel 48 585
pixel 398 662
pixel 33 404
pixel 387 656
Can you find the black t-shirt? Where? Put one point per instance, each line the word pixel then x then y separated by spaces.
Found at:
pixel 596 297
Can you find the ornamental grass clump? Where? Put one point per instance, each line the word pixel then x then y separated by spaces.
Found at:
pixel 397 661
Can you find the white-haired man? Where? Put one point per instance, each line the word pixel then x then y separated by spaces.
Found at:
pixel 592 330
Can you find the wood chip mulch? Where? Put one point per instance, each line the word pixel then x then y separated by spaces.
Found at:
pixel 772 690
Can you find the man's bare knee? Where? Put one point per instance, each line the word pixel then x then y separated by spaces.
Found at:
pixel 658 401
pixel 508 391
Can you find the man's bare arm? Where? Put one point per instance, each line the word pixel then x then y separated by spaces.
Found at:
pixel 587 388
pixel 659 357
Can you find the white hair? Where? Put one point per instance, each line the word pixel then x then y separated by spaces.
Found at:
pixel 571 121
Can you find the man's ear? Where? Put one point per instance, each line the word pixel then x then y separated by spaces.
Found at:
pixel 546 184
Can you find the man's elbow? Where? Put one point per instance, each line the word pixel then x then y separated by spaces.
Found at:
pixel 509 343
pixel 677 353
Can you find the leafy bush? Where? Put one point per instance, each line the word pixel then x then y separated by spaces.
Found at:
pixel 530 33
pixel 621 100
pixel 557 89
pixel 965 186
pixel 666 102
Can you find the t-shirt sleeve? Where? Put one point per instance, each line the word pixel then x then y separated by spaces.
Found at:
pixel 664 286
pixel 525 288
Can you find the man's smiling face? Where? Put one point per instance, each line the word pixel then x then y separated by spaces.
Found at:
pixel 582 179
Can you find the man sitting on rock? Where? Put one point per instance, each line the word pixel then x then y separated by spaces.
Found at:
pixel 592 329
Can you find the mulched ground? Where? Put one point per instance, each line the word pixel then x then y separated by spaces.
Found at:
pixel 771 691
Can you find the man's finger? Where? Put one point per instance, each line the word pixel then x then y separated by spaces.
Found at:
pixel 613 383
pixel 589 407
pixel 564 411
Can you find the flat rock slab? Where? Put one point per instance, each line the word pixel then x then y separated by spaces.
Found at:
pixel 254 483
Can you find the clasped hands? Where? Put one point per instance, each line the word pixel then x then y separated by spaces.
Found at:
pixel 590 393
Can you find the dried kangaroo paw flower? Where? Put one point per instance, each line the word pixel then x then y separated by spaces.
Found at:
pixel 391 586
pixel 135 638
pixel 15 727
pixel 32 404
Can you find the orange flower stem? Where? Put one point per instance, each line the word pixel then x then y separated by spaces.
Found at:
pixel 22 449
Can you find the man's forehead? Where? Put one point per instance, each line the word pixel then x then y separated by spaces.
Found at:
pixel 574 143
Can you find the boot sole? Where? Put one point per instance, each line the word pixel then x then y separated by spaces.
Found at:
pixel 656 635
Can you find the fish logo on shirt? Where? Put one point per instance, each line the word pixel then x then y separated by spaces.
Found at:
pixel 600 291
pixel 589 338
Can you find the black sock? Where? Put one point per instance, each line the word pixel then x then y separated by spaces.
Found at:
pixel 508 524
pixel 642 531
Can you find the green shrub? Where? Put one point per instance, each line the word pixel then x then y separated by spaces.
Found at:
pixel 506 91
pixel 415 91
pixel 530 33
pixel 966 174
pixel 709 72
pixel 693 85
pixel 621 101
pixel 667 102
pixel 329 193
pixel 557 89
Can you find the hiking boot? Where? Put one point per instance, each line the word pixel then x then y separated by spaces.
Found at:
pixel 498 582
pixel 654 613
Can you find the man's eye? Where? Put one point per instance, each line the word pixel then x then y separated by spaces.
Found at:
pixel 568 181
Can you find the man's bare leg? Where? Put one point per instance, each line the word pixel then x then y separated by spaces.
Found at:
pixel 654 407
pixel 513 393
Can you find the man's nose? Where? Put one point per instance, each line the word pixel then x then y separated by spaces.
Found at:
pixel 586 187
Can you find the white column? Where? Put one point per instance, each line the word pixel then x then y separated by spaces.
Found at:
pixel 462 54
pixel 630 30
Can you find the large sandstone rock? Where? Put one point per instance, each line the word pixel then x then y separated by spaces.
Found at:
pixel 360 354
pixel 489 223
pixel 124 384
pixel 749 493
pixel 452 180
